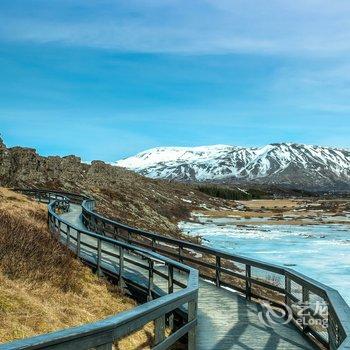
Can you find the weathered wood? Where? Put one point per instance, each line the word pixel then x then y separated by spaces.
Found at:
pixel 288 291
pixel 170 317
pixel 192 334
pixel 59 229
pixel 248 283
pixel 306 300
pixel 121 267
pixel 180 253
pixel 170 279
pixel 68 236
pixel 78 242
pixel 227 321
pixel 99 257
pixel 150 279
pixel 218 271
pixel 159 329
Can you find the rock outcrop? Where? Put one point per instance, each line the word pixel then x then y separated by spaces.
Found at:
pixel 121 194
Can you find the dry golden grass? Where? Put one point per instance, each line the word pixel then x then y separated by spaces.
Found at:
pixel 233 213
pixel 285 211
pixel 270 204
pixel 261 208
pixel 42 286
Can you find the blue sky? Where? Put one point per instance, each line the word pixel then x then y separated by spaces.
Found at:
pixel 106 79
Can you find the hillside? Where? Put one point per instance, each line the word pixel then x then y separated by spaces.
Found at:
pixel 154 205
pixel 290 165
pixel 42 286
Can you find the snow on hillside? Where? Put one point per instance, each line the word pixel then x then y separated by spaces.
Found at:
pixel 275 163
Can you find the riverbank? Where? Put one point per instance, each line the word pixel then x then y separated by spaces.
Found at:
pixel 279 212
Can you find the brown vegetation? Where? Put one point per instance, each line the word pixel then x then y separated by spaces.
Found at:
pixel 301 211
pixel 155 205
pixel 42 286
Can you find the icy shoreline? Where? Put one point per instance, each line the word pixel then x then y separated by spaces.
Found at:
pixel 318 251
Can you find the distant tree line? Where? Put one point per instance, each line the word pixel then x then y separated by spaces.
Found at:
pixel 229 193
pixel 268 192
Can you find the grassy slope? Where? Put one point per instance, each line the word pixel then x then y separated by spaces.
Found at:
pixel 42 286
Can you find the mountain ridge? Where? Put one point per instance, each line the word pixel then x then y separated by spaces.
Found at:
pixel 295 165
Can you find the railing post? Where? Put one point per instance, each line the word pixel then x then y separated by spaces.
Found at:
pixel 115 230
pixel 170 291
pixel 288 290
pixel 170 279
pixel 121 267
pixel 68 235
pixel 192 334
pixel 159 331
pixel 78 242
pixel 305 296
pixel 95 225
pixel 92 223
pixel 218 271
pixel 248 283
pixel 334 339
pixel 181 253
pixel 99 257
pixel 331 330
pixel 150 279
pixel 59 229
pixel 153 244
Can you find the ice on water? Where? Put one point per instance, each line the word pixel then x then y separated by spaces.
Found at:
pixel 318 251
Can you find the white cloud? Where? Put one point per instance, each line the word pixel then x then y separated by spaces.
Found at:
pixel 296 27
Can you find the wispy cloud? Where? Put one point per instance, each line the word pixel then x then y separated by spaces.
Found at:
pixel 318 86
pixel 314 27
pixel 215 71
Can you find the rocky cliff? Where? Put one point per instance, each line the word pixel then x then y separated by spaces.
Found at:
pixel 121 194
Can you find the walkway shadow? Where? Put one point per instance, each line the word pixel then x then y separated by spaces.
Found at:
pixel 228 321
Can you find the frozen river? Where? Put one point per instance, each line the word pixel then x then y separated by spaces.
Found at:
pixel 318 251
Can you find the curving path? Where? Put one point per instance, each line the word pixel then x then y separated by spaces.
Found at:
pixel 226 320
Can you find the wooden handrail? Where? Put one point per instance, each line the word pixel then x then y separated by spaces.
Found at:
pixel 341 311
pixel 338 328
pixel 102 334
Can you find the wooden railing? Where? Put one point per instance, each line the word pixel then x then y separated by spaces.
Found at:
pixel 282 287
pixel 108 257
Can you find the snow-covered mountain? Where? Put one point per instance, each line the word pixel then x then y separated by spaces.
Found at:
pixel 288 164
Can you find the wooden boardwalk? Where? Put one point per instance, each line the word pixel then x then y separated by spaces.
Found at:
pixel 226 320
